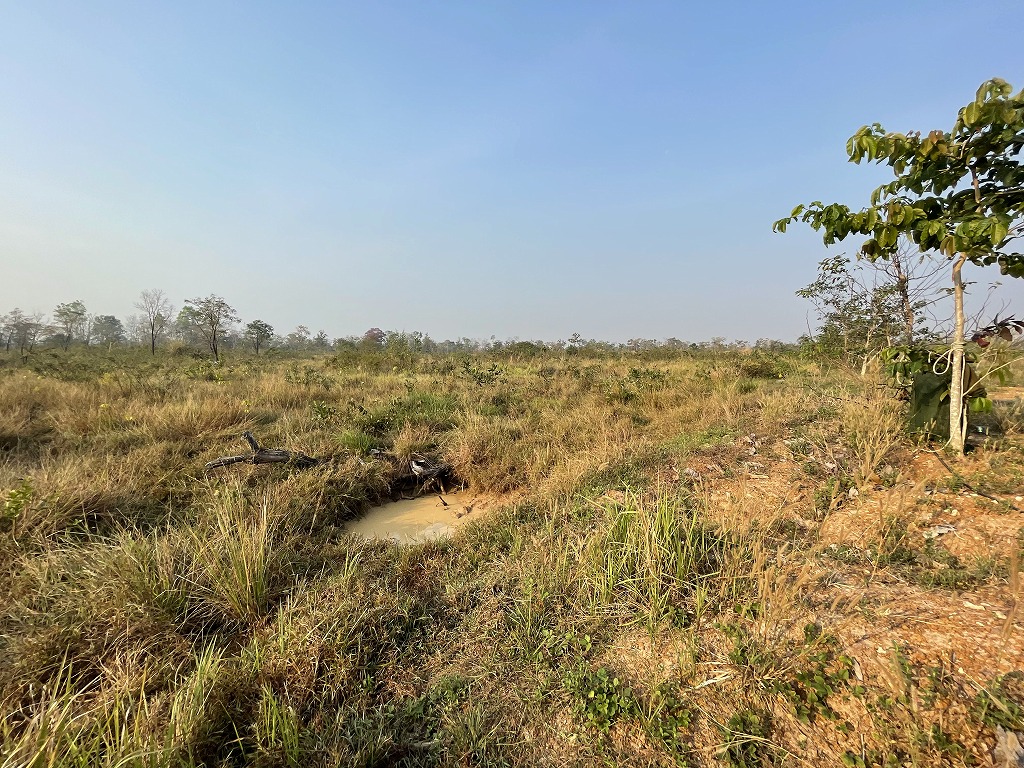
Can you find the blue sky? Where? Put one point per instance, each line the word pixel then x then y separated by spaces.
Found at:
pixel 517 169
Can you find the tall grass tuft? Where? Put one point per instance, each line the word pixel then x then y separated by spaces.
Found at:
pixel 874 426
pixel 653 560
pixel 71 729
pixel 238 555
pixel 277 730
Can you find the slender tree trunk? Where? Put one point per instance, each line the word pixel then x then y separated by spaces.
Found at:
pixel 957 426
pixel 152 339
pixel 903 287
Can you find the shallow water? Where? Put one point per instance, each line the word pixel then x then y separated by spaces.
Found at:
pixel 412 521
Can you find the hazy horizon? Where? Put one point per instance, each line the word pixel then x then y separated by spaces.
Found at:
pixel 515 170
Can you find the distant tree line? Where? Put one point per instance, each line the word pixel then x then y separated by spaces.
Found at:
pixel 212 325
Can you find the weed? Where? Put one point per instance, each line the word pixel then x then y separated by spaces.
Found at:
pixel 322 413
pixel 1001 703
pixel 358 441
pixel 309 377
pixel 748 652
pixel 602 699
pixel 830 495
pixel 824 674
pixel 419 409
pixel 648 379
pixel 205 370
pixel 666 715
pixel 874 758
pixel 746 740
pixel 482 376
pixel 942 570
pixel 237 559
pixel 621 391
pixel 893 544
pixel 527 620
pixel 15 503
pixel 761 366
pixel 943 743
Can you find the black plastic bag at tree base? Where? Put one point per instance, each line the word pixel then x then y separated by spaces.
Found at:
pixel 929 400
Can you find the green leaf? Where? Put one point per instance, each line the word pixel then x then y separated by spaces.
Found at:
pixel 999 231
pixel 980 405
pixel 948 246
pixel 971 114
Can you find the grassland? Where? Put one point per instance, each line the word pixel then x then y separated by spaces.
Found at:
pixel 702 559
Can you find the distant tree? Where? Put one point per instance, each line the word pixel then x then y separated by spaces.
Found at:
pixel 33 328
pixel 374 339
pixel 20 330
pixel 321 340
pixel 9 327
pixel 959 193
pixel 184 328
pixel 70 321
pixel 299 338
pixel 258 333
pixel 29 329
pixel 641 345
pixel 210 318
pixel 157 311
pixel 771 345
pixel 136 330
pixel 107 329
pixel 346 342
pixel 89 329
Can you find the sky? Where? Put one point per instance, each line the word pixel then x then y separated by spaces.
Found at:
pixel 465 169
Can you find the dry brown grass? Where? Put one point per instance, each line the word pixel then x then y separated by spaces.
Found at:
pixel 674 527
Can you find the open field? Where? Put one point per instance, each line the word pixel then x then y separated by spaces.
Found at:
pixel 695 558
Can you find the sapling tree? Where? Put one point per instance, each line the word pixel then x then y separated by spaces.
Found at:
pixel 258 334
pixel 865 307
pixel 858 314
pixel 915 282
pixel 70 319
pixel 210 318
pixel 956 193
pixel 157 311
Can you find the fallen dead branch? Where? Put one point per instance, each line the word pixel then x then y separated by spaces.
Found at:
pixel 262 455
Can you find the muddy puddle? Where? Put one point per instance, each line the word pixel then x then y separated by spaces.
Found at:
pixel 412 521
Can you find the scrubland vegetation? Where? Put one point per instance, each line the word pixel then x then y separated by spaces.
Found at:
pixel 700 558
